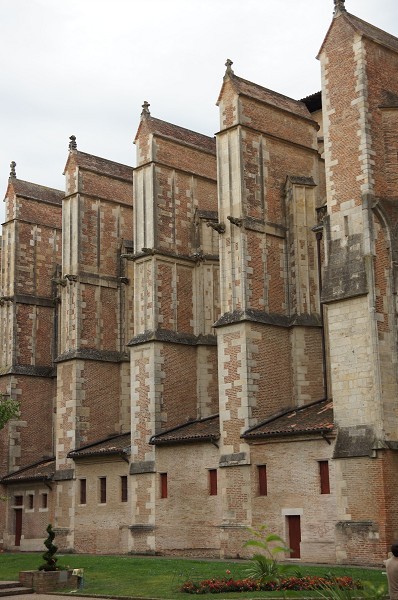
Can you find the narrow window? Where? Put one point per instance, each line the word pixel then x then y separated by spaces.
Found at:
pixel 262 480
pixel 346 228
pixel 163 485
pixel 44 500
pixel 324 476
pixel 123 488
pixel 83 491
pixel 213 482
pixel 30 501
pixel 102 481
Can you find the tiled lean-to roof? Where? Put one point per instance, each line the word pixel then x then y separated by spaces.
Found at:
pixel 40 471
pixel 372 32
pixel 254 90
pixel 316 417
pixel 103 166
pixel 26 189
pixel 180 134
pixel 200 430
pixel 117 444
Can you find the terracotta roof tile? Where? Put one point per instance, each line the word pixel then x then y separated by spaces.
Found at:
pixel 180 134
pixel 313 102
pixel 253 90
pixel 201 430
pixel 118 444
pixel 313 418
pixel 372 32
pixel 27 189
pixel 102 165
pixel 43 470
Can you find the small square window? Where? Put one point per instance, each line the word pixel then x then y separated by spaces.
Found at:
pixel 123 488
pixel 163 485
pixel 213 482
pixel 18 500
pixel 102 484
pixel 262 480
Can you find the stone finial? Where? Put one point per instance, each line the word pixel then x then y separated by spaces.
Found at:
pixel 72 143
pixel 145 110
pixel 229 72
pixel 13 173
pixel 339 7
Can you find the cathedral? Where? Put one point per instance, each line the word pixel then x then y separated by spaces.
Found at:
pixel 207 342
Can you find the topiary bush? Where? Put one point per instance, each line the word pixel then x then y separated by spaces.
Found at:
pixel 51 562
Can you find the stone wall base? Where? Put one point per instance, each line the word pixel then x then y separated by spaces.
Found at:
pixel 48 581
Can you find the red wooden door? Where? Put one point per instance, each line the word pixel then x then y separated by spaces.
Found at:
pixel 294 535
pixel 18 526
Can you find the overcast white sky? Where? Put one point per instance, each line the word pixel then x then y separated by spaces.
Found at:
pixel 84 67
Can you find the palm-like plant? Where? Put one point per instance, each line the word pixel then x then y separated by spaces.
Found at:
pixel 264 565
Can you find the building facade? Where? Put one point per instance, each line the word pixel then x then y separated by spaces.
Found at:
pixel 207 342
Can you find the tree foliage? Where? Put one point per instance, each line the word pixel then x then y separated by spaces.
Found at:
pixel 9 409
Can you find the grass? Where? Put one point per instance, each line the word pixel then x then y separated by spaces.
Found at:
pixel 153 577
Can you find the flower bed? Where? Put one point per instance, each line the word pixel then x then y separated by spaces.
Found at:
pixel 216 586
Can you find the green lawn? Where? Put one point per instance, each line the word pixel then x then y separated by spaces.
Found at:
pixel 153 577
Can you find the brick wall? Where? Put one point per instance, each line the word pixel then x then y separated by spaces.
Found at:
pixel 107 532
pixel 292 489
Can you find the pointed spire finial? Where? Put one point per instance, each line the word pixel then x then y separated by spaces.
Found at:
pixel 13 173
pixel 145 109
pixel 339 7
pixel 229 70
pixel 72 143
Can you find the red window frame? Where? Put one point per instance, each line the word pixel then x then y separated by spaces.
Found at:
pixel 324 477
pixel 123 488
pixel 212 482
pixel 102 484
pixel 163 485
pixel 262 480
pixel 83 491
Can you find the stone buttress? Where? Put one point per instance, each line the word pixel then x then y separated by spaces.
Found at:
pixel 95 293
pixel 360 99
pixel 173 351
pixel 31 250
pixel 269 334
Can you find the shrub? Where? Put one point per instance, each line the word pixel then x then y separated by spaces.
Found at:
pixel 51 562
